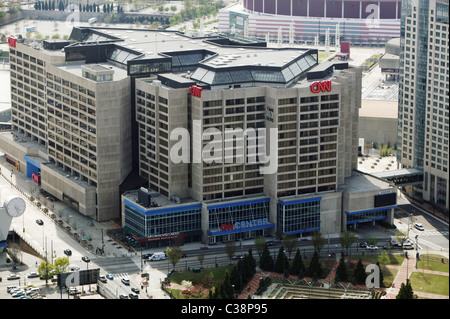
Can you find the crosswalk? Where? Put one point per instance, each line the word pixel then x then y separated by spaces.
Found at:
pixel 434 233
pixel 123 275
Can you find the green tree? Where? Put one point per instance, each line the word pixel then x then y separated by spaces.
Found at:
pixel 318 241
pixel 174 255
pixel 45 270
pixel 298 267
pixel 405 291
pixel 260 243
pixel 201 257
pixel 225 290
pixel 315 267
pixel 341 271
pixel 359 273
pixel 251 262
pixel 266 262
pixel 230 249
pixel 290 243
pixel 347 239
pixel 61 265
pixel 282 263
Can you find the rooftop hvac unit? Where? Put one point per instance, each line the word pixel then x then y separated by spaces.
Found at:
pixel 144 197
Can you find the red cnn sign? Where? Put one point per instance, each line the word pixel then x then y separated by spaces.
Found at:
pixel 12 42
pixel 196 91
pixel 323 86
pixel 36 178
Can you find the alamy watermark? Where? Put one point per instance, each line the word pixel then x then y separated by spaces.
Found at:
pixel 373 279
pixel 373 19
pixel 235 145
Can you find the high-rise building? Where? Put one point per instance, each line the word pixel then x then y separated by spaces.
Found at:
pixel 74 122
pixel 210 139
pixel 423 117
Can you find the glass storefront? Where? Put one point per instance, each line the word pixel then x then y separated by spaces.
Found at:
pixel 239 220
pixel 368 215
pixel 298 216
pixel 157 227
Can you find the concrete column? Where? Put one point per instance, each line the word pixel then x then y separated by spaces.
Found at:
pixel 324 8
pixel 307 8
pixel 342 10
pixel 379 10
pixel 396 10
pixel 291 8
pixel 360 9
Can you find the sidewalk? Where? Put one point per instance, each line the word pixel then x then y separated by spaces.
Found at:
pixel 84 226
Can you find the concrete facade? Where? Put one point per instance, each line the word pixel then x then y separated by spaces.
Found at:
pixel 83 125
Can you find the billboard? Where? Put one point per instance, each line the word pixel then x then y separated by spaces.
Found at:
pixel 385 199
pixel 78 278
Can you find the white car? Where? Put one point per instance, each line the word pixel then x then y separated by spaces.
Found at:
pixel 73 291
pixel 74 268
pixel 33 274
pixel 419 226
pixel 13 276
pixel 372 247
pixel 13 291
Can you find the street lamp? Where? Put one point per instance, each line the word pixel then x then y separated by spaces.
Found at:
pixel 87 260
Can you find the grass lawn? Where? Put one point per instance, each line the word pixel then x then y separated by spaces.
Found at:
pixel 435 264
pixel 435 284
pixel 217 273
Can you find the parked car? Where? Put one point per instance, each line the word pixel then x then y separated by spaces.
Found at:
pixel 13 276
pixel 74 268
pixel 73 291
pixel 18 294
pixel 15 290
pixel 9 288
pixel 135 290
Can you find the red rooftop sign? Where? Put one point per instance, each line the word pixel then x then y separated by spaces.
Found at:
pixel 323 86
pixel 12 42
pixel 196 91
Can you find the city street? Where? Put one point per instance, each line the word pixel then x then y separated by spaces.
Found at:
pixel 51 240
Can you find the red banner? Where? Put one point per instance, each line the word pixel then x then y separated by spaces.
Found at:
pixel 12 42
pixel 196 91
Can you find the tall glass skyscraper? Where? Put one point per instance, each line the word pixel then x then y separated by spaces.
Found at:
pixel 423 121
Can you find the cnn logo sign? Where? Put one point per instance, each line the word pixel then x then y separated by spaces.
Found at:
pixel 196 91
pixel 324 86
